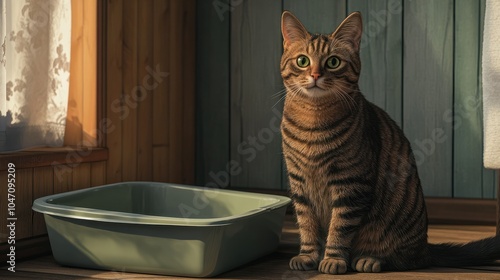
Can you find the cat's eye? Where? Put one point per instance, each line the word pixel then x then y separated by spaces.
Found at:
pixel 303 61
pixel 333 62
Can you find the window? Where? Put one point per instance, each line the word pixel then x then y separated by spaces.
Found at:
pixel 41 102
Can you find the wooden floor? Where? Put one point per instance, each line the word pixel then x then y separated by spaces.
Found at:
pixel 275 266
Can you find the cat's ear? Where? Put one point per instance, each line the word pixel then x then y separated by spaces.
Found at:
pixel 292 29
pixel 350 30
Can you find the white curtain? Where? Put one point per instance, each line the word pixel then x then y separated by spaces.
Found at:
pixel 34 72
pixel 491 85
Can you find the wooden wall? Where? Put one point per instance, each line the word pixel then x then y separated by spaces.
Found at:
pixel 150 90
pixel 420 62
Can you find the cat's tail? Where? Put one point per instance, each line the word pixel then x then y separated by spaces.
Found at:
pixel 480 252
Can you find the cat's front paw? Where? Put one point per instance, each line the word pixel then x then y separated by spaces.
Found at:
pixel 367 264
pixel 333 266
pixel 303 262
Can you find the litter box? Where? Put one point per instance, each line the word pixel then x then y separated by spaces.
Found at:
pixel 161 228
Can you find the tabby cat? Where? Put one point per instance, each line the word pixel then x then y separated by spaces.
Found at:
pixel 352 173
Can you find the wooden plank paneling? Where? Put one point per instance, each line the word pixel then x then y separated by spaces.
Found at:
pixel 181 92
pixel 81 177
pixel 43 185
pixel 114 98
pixel 188 92
pixel 63 179
pixel 145 83
pixel 98 174
pixel 161 93
pixel 332 13
pixel 148 109
pixel 212 90
pixel 24 199
pixel 160 164
pixel 175 91
pixel 51 156
pixel 129 121
pixel 255 77
pixel 381 78
pixel 428 90
pixel 161 51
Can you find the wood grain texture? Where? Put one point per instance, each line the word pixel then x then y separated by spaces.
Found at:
pixel 129 120
pixel 181 91
pixel 98 173
pixel 255 138
pixel 156 107
pixel 212 90
pixel 332 14
pixel 188 93
pixel 161 50
pixel 145 90
pixel 161 92
pixel 428 91
pixel 174 108
pixel 114 88
pixel 381 79
pixel 160 164
pixel 81 176
pixel 150 90
pixel 43 185
pixel 24 200
pixel 63 178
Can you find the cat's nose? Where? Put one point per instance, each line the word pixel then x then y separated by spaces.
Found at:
pixel 316 76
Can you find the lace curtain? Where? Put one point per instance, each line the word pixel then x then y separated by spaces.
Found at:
pixel 34 72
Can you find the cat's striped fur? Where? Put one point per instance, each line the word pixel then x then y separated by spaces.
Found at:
pixel 353 177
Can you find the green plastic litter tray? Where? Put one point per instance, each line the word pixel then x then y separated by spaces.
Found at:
pixel 161 228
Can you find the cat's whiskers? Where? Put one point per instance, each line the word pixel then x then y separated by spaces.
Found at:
pixel 340 89
pixel 279 93
pixel 282 94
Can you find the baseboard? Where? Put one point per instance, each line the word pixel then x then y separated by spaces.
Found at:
pixel 461 211
pixel 26 249
pixel 441 210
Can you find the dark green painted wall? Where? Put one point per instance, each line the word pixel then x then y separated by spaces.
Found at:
pixel 420 62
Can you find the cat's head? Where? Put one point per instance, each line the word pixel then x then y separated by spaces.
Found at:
pixel 321 66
